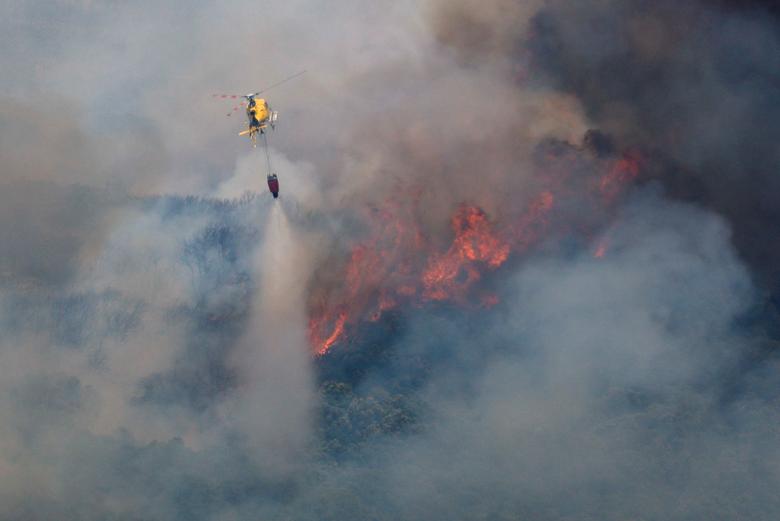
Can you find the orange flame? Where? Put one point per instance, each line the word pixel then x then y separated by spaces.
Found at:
pixel 622 172
pixel 601 249
pixel 385 303
pixel 533 223
pixel 488 301
pixel 399 265
pixel 338 330
pixel 452 273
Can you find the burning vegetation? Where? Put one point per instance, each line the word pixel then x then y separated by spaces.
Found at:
pixel 399 265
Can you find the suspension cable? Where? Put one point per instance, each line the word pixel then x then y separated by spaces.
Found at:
pixel 267 154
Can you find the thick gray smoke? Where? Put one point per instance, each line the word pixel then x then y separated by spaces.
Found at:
pixel 154 362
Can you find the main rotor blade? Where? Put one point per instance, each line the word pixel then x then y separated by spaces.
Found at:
pixel 279 83
pixel 223 96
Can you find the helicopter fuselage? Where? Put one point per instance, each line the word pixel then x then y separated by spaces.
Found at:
pixel 258 113
pixel 259 116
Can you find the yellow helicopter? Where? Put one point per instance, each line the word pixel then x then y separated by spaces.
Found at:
pixel 258 111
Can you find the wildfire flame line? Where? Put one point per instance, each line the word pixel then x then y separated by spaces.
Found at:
pixel 398 265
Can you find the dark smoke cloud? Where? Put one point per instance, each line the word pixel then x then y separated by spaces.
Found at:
pixel 694 84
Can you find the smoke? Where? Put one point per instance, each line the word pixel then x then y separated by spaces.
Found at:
pixel 272 360
pixel 694 85
pixel 613 358
pixel 604 390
